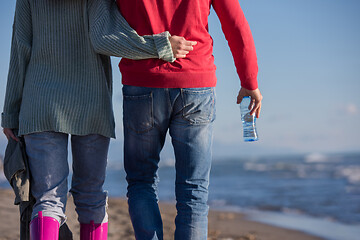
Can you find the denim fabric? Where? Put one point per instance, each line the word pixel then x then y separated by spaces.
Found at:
pixel 47 152
pixel 188 114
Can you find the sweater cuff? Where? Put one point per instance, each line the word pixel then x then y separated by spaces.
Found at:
pixel 163 46
pixel 251 85
pixel 10 120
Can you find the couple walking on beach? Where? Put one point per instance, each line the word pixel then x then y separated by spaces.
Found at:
pixel 60 85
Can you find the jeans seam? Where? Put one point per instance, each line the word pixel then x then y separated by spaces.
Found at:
pixel 212 116
pixel 168 99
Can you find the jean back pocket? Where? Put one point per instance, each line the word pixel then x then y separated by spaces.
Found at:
pixel 199 105
pixel 138 112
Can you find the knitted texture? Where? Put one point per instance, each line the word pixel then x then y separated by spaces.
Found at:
pixel 189 18
pixel 59 78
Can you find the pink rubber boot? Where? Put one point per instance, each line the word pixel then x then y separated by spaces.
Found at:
pixel 44 228
pixel 92 231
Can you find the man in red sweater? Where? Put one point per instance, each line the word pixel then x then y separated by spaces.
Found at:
pixel 179 97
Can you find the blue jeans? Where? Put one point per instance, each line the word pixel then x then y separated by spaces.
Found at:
pixel 47 152
pixel 188 114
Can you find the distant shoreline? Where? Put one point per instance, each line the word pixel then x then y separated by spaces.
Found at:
pixel 222 225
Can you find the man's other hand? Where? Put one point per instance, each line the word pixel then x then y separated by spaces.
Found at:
pixel 255 103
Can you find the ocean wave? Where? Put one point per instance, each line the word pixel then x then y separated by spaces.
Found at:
pixel 167 162
pixel 351 173
pixel 115 165
pixel 258 167
pixel 315 166
pixel 297 170
pixel 315 158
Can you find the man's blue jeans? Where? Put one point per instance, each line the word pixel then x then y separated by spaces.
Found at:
pixel 47 152
pixel 188 114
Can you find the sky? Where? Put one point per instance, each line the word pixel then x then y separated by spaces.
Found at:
pixel 309 67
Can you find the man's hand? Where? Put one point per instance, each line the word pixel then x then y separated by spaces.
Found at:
pixel 256 98
pixel 10 134
pixel 181 46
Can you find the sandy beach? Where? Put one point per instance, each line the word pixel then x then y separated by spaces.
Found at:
pixel 222 225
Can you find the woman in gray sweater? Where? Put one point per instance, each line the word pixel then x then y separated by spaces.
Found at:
pixel 60 84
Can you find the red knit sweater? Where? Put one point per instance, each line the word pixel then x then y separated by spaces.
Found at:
pixel 188 18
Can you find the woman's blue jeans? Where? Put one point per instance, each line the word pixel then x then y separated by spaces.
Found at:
pixel 188 114
pixel 47 152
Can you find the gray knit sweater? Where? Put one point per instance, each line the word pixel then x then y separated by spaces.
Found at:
pixel 59 77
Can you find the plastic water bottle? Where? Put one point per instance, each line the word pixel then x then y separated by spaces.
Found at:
pixel 248 121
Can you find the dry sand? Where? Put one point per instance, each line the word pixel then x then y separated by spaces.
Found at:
pixel 222 225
